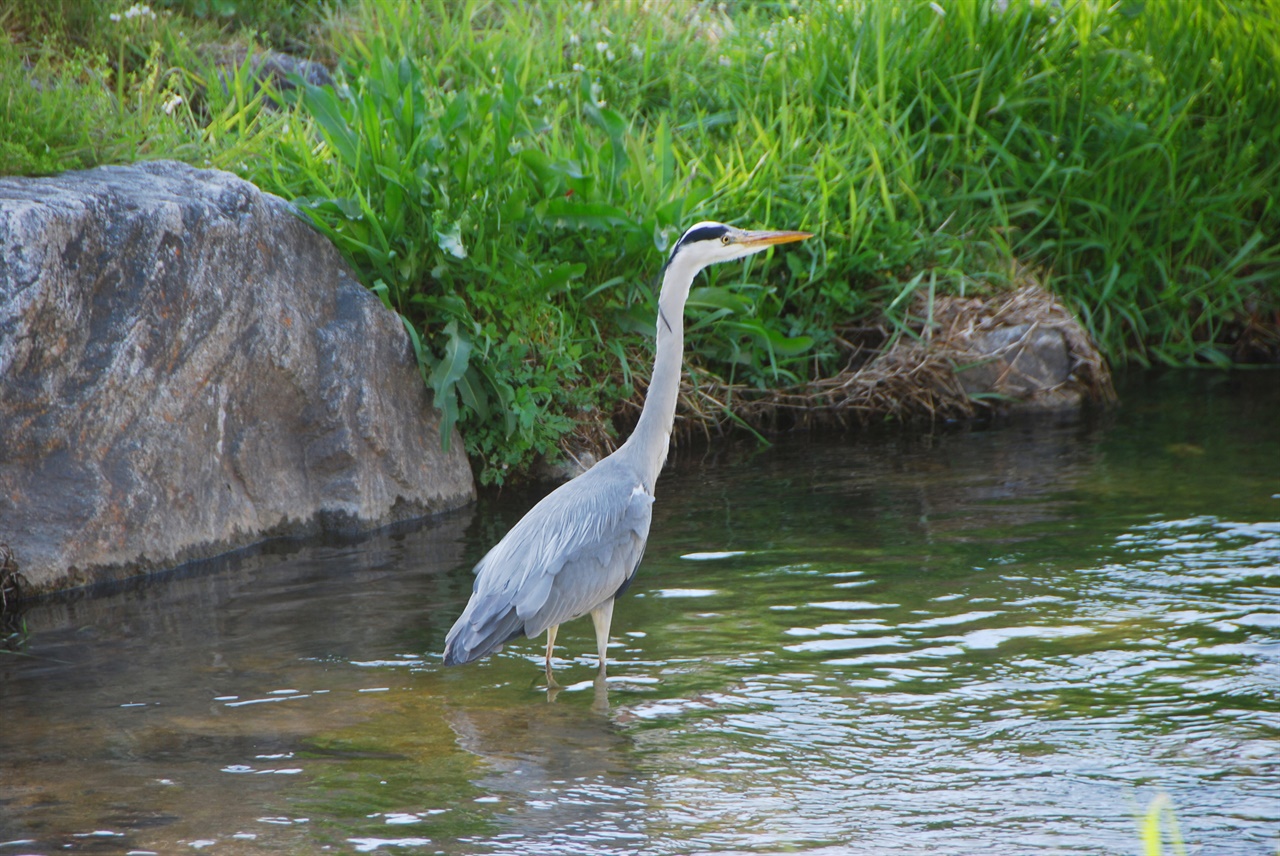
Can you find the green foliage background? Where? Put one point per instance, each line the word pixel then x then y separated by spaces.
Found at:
pixel 508 175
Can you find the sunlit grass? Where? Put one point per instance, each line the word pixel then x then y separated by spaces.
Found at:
pixel 1160 816
pixel 508 175
pixel 1118 150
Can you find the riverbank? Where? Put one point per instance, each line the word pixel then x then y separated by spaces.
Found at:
pixel 508 178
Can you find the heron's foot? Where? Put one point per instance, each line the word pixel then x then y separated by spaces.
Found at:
pixel 552 684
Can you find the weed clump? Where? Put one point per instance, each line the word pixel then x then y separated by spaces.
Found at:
pixel 912 374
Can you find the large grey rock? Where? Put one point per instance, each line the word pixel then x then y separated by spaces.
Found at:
pixel 187 367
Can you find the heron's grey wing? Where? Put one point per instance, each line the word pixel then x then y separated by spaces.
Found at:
pixel 573 551
pixel 594 569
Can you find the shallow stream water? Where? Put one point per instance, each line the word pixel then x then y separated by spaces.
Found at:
pixel 1006 640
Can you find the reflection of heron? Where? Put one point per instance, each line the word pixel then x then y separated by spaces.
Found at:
pixel 577 549
pixel 562 773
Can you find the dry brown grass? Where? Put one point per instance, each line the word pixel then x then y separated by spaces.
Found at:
pixel 907 374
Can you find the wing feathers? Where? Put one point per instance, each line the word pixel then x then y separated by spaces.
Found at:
pixel 573 551
pixel 481 630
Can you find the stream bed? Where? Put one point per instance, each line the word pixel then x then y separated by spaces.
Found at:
pixel 1007 640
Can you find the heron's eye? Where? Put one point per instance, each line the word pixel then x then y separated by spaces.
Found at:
pixel 724 239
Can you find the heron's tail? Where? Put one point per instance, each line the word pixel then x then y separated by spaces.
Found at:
pixel 481 629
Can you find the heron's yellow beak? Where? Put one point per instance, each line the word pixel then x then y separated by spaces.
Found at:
pixel 765 238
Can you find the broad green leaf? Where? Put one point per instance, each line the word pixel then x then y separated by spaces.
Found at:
pixel 445 376
pixel 585 215
pixel 716 297
pixel 455 115
pixel 471 388
pixel 788 346
pixel 558 277
pixel 323 105
pixel 613 122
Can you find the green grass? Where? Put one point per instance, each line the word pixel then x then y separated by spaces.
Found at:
pixel 508 175
pixel 1160 814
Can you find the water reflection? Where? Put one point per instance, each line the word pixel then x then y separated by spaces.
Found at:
pixel 173 712
pixel 1005 640
pixel 567 773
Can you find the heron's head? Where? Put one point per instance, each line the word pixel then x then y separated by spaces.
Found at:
pixel 709 242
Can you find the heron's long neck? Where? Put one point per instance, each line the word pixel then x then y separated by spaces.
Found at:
pixel 652 436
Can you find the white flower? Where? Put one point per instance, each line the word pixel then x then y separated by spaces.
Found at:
pixel 172 104
pixel 724 60
pixel 601 47
pixel 137 10
pixel 577 66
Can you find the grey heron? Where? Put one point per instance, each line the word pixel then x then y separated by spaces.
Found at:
pixel 577 550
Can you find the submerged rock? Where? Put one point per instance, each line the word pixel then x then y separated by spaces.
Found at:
pixel 186 367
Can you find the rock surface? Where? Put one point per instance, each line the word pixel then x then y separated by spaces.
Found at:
pixel 277 69
pixel 1023 362
pixel 186 367
pixel 1027 351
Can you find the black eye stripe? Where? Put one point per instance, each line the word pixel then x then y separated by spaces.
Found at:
pixel 703 233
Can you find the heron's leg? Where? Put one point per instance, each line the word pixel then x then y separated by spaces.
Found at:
pixel 551 645
pixel 602 617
